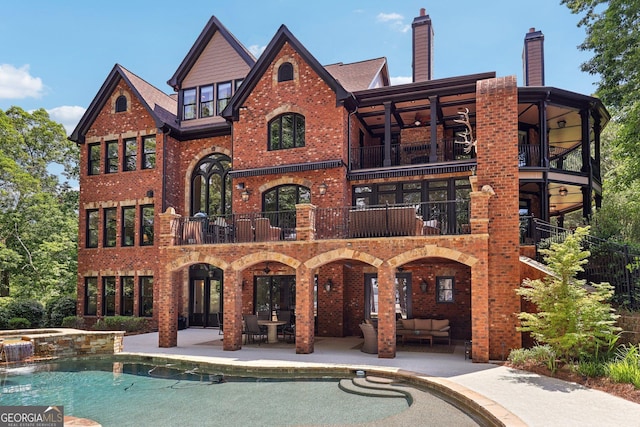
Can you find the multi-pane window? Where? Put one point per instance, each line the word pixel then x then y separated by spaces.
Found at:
pixel 146 296
pixel 149 152
pixel 211 186
pixel 94 159
pixel 206 101
pixel 444 289
pixel 287 131
pixel 189 104
pixel 130 154
pixel 128 225
pixel 112 157
pixel 92 228
pixel 126 295
pixel 91 296
pixel 109 296
pixel 224 95
pixel 109 238
pixel 282 202
pixel 146 225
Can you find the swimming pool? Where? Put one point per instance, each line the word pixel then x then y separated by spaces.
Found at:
pixel 134 393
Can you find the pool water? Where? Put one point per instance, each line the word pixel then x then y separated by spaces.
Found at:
pixel 134 394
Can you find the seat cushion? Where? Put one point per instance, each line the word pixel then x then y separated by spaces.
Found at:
pixel 408 324
pixel 423 324
pixel 437 325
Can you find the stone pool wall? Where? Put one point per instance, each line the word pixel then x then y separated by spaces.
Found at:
pixel 62 342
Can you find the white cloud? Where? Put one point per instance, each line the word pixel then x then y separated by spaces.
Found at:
pixel 400 80
pixel 17 83
pixel 395 20
pixel 69 116
pixel 257 50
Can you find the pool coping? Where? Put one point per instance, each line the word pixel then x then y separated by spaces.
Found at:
pixel 489 411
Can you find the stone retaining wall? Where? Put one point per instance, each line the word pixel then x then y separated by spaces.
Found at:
pixel 630 324
pixel 62 342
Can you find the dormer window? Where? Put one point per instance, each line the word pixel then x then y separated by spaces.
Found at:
pixel 285 72
pixel 121 104
pixel 189 104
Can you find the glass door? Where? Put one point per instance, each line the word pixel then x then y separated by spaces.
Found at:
pixel 402 296
pixel 205 289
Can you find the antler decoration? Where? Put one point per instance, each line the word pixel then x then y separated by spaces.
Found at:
pixel 469 142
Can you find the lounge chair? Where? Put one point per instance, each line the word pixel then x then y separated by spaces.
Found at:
pixel 253 329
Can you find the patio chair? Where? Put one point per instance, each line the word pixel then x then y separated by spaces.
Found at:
pixel 285 316
pixel 370 344
pixel 252 329
pixel 289 332
pixel 244 230
pixel 265 232
pixel 220 317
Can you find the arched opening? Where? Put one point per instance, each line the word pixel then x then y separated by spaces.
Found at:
pixel 211 186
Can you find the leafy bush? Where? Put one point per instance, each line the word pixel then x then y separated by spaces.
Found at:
pixel 60 308
pixel 120 323
pixel 592 368
pixel 74 322
pixel 572 319
pixel 625 368
pixel 4 318
pixel 29 309
pixel 537 355
pixel 19 323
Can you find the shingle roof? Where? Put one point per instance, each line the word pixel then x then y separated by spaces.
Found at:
pixel 163 106
pixel 359 75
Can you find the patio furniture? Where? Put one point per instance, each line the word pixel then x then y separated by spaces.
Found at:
pixel 370 344
pixel 386 221
pixel 219 317
pixel 265 232
pixel 285 316
pixel 253 329
pixel 244 230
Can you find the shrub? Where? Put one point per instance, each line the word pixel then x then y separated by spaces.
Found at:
pixel 74 322
pixel 4 318
pixel 29 309
pixel 19 323
pixel 591 367
pixel 59 309
pixel 537 355
pixel 120 323
pixel 571 319
pixel 625 368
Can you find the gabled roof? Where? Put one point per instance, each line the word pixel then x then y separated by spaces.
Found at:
pixel 160 106
pixel 212 27
pixel 282 36
pixel 360 75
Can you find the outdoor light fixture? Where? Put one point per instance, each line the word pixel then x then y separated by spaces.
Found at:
pixel 563 191
pixel 423 286
pixel 322 189
pixel 328 285
pixel 562 124
pixel 245 195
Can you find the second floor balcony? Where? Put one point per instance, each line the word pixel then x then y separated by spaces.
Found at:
pixel 382 221
pixel 405 154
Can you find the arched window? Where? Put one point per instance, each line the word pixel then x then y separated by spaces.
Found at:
pixel 285 72
pixel 286 131
pixel 282 202
pixel 121 104
pixel 211 186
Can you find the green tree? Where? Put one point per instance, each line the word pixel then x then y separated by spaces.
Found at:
pixel 572 319
pixel 38 212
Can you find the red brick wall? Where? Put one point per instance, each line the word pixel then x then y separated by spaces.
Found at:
pixel 497 157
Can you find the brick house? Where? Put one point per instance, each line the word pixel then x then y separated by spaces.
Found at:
pixel 283 184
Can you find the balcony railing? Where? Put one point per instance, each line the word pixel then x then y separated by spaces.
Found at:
pixel 530 155
pixel 407 154
pixel 431 218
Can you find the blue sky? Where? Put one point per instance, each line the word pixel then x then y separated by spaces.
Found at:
pixel 56 54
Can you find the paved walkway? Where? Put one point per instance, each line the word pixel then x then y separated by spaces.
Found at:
pixel 536 400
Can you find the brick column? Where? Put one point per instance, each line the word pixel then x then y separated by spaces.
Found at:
pixel 167 304
pixel 305 222
pixel 304 311
pixel 386 311
pixel 232 320
pixel 497 166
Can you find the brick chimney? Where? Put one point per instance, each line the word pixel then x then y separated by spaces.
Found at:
pixel 422 47
pixel 533 58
